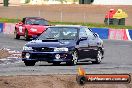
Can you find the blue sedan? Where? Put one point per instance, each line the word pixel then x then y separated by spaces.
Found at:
pixel 63 43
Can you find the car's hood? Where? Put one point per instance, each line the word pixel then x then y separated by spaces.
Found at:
pixel 51 43
pixel 36 26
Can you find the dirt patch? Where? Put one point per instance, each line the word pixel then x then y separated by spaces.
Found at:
pixel 4 54
pixel 51 81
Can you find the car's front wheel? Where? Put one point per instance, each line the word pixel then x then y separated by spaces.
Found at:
pixel 74 58
pixel 16 36
pixel 29 63
pixel 98 58
pixel 56 63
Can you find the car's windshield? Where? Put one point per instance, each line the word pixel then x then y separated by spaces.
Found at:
pixel 36 22
pixel 59 33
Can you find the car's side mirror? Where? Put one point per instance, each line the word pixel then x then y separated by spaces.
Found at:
pixel 96 35
pixel 83 38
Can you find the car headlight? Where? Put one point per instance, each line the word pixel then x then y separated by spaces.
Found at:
pixel 60 49
pixel 33 29
pixel 27 48
pixel 27 55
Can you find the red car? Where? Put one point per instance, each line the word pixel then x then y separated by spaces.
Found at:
pixel 29 27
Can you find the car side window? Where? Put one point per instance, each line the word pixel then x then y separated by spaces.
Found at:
pixel 82 33
pixel 90 34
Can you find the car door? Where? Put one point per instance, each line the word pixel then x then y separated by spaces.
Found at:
pixel 83 44
pixel 92 42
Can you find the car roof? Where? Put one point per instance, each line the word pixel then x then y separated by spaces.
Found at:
pixel 75 26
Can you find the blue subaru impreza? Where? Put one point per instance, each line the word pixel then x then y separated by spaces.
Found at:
pixel 68 44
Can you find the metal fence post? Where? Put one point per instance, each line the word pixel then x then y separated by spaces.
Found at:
pixel 6 3
pixel 39 13
pixel 84 17
pixel 61 16
pixel 108 19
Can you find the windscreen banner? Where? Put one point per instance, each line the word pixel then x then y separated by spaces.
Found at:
pixel 130 34
pixel 1 27
pixel 102 32
pixel 8 28
pixel 118 34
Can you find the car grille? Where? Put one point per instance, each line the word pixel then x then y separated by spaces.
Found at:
pixel 43 49
pixel 36 56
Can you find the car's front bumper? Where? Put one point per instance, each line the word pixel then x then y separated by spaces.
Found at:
pixel 48 56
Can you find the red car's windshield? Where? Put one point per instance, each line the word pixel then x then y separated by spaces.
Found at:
pixel 36 22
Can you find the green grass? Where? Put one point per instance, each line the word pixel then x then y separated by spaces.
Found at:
pixel 98 25
pixel 7 20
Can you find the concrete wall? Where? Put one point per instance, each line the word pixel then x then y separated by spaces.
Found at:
pixel 96 2
pixel 39 2
pixel 14 1
pixel 112 2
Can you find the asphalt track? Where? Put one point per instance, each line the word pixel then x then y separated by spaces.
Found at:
pixel 117 59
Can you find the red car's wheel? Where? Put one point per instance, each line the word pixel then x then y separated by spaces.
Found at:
pixel 16 36
pixel 26 35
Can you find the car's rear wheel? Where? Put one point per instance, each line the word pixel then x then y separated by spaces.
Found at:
pixel 29 63
pixel 74 58
pixel 16 36
pixel 26 35
pixel 98 58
